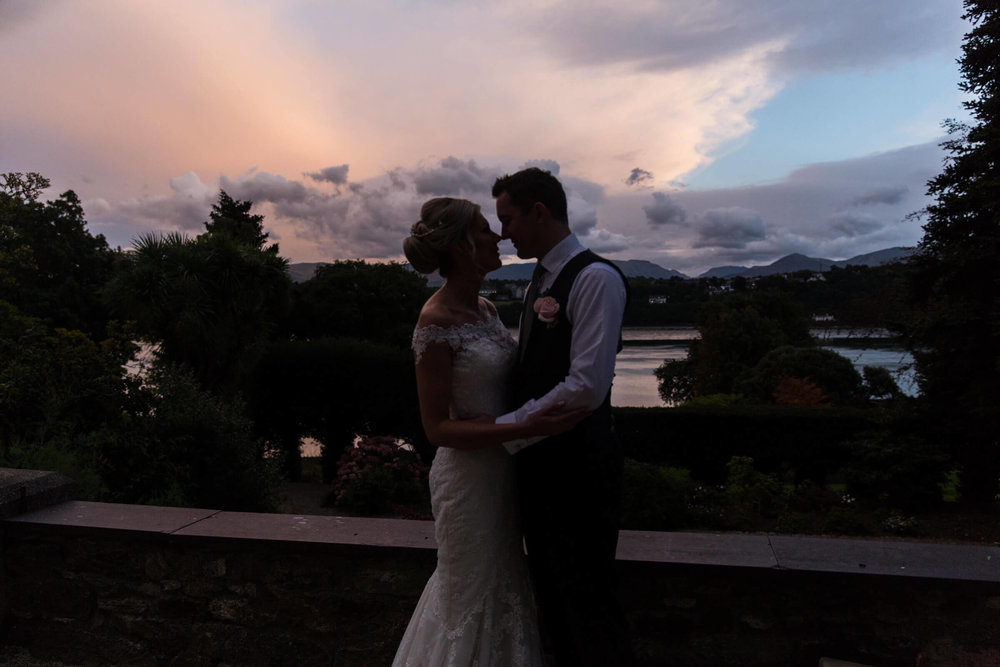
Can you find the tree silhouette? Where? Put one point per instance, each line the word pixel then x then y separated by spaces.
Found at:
pixel 211 304
pixel 956 274
pixel 51 267
pixel 736 331
pixel 232 218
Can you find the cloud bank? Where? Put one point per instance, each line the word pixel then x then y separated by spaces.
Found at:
pixel 337 119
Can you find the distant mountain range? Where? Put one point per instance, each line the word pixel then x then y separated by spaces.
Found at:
pixel 797 262
pixel 632 268
pixel 303 271
pixel 638 268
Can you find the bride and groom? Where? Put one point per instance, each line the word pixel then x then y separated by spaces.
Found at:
pixel 546 401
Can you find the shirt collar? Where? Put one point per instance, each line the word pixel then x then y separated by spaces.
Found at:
pixel 556 258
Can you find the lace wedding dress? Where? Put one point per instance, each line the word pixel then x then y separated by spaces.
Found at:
pixel 477 607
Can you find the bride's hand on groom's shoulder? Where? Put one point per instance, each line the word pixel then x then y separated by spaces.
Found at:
pixel 551 420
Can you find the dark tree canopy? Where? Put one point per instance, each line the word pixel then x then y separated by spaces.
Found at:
pixel 51 267
pixel 24 187
pixel 211 303
pixel 956 273
pixel 375 302
pixel 232 218
pixel 736 331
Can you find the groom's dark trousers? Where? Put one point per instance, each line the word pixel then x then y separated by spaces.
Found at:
pixel 569 490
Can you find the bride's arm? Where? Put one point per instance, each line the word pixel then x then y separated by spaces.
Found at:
pixel 434 371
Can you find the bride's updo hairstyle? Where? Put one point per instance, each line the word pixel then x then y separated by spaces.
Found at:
pixel 444 222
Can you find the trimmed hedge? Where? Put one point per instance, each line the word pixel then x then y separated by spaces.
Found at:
pixel 797 443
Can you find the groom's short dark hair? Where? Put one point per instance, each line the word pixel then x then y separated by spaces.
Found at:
pixel 531 185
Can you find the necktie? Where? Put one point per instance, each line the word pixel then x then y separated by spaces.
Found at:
pixel 529 308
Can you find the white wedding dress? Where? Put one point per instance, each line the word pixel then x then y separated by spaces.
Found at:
pixel 477 607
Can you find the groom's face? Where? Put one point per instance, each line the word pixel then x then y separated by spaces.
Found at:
pixel 521 227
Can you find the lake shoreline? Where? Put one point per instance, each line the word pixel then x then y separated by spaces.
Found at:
pixel 645 348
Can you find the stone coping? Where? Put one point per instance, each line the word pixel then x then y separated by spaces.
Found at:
pixel 27 490
pixel 749 551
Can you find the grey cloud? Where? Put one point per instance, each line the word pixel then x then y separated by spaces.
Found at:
pixel 855 224
pixel 335 175
pixel 364 219
pixel 638 177
pixel 917 163
pixel 890 194
pixel 603 241
pixel 808 200
pixel 545 165
pixel 186 209
pixel 860 34
pixel 590 192
pixel 14 13
pixel 582 215
pixel 807 212
pixel 264 187
pixel 452 177
pixel 396 179
pixel 312 207
pixel 815 36
pixel 733 227
pixel 664 211
pixel 366 222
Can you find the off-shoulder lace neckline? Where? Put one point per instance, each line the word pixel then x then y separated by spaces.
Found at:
pixel 486 317
pixel 456 334
pixel 458 327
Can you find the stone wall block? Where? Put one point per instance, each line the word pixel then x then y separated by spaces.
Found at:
pixel 175 606
pixel 156 566
pixel 123 606
pixel 234 610
pixel 215 567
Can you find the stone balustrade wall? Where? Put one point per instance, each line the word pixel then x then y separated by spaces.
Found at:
pixel 96 584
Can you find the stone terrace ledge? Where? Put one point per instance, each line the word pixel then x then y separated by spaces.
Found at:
pixel 771 552
pixel 42 499
pixel 692 598
pixel 26 490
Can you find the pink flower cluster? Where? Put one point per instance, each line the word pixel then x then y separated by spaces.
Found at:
pixel 377 453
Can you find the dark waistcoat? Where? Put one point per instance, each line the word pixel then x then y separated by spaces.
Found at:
pixel 546 357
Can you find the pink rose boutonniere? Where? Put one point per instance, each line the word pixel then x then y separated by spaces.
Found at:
pixel 547 309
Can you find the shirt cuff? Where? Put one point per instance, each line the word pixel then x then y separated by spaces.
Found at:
pixel 514 446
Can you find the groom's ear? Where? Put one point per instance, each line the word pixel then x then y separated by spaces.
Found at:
pixel 541 210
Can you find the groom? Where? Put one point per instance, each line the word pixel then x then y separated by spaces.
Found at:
pixel 569 486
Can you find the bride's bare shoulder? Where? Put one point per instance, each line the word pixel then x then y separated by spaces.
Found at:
pixel 437 314
pixel 488 306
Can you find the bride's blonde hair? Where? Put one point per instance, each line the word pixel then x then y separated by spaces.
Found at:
pixel 444 222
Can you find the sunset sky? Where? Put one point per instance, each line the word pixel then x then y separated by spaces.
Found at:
pixel 689 133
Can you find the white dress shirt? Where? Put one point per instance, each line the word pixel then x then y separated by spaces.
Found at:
pixel 594 308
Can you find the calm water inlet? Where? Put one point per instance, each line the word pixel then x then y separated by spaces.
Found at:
pixel 648 347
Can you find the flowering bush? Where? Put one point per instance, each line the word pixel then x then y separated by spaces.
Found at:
pixel 799 391
pixel 377 472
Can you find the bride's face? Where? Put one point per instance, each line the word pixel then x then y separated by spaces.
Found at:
pixel 487 246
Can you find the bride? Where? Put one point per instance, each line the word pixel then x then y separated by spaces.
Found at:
pixel 477 607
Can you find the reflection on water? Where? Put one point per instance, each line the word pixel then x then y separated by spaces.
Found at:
pixel 648 347
pixel 635 384
pixel 662 334
pixel 896 360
